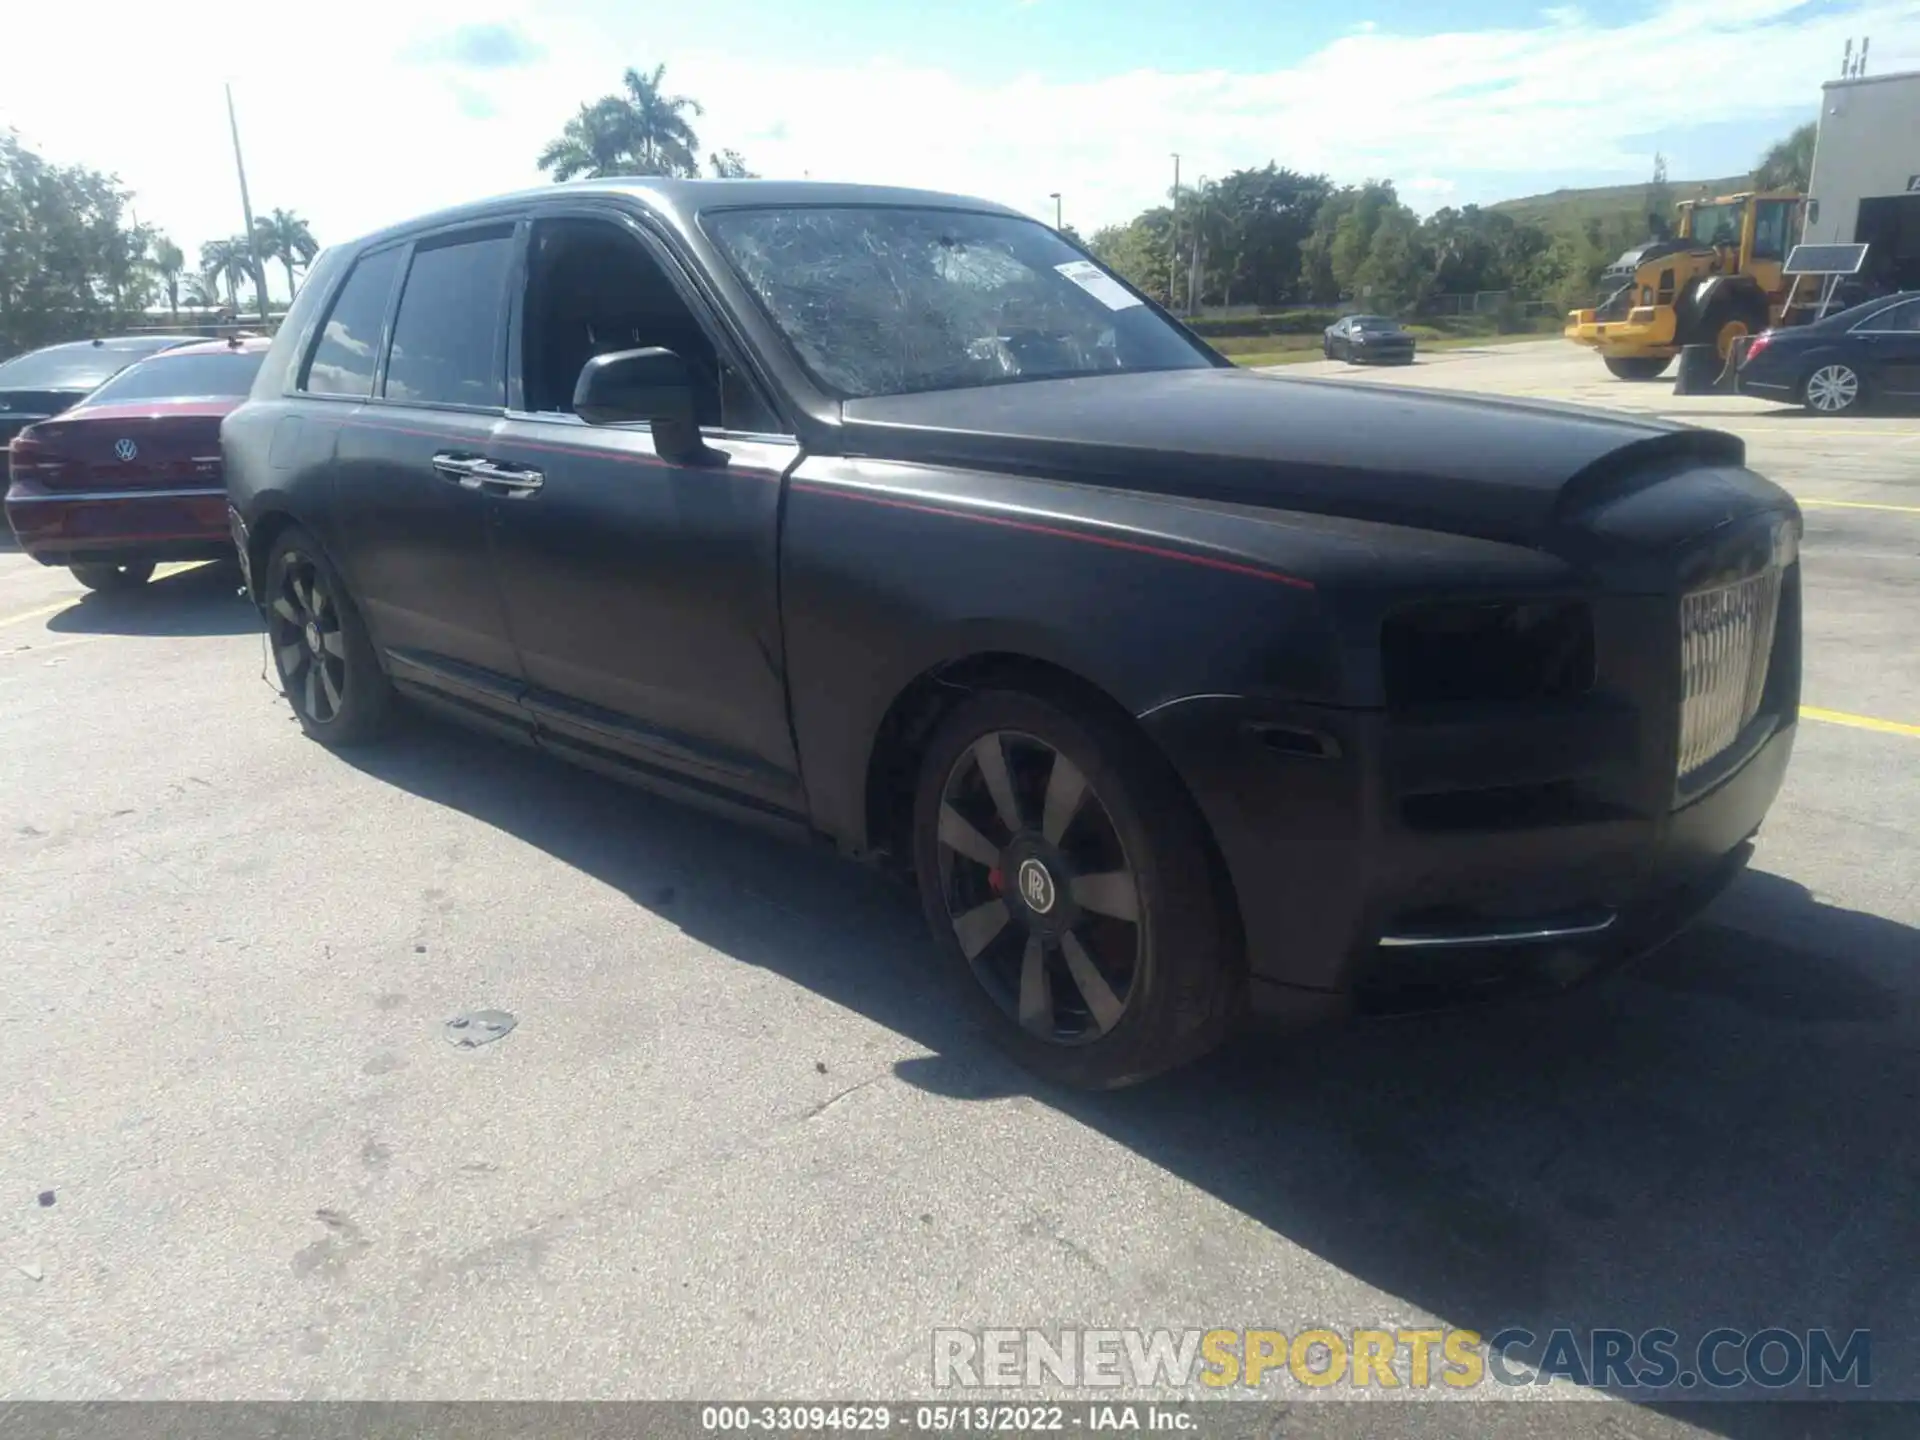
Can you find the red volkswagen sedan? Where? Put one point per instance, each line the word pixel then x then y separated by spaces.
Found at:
pixel 131 475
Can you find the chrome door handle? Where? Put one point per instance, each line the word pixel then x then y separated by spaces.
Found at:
pixel 505 478
pixel 463 470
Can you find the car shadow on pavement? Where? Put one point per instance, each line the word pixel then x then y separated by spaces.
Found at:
pixel 1724 1136
pixel 205 600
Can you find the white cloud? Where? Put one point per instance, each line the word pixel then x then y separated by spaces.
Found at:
pixel 345 121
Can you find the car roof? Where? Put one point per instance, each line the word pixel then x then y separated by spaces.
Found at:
pixel 1855 313
pixel 239 344
pixel 682 199
pixel 116 342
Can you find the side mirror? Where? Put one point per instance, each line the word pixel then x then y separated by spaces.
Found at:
pixel 652 385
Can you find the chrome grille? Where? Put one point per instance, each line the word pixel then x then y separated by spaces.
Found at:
pixel 1726 640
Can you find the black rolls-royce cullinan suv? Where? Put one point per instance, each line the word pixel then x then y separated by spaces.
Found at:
pixel 893 519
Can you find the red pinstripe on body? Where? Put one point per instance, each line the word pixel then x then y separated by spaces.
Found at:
pixel 1210 562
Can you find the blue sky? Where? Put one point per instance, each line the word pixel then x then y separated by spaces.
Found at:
pixel 367 111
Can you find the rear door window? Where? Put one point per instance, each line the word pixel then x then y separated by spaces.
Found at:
pixel 449 337
pixel 1901 317
pixel 344 360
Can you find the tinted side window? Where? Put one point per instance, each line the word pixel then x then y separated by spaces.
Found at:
pixel 449 345
pixel 343 361
pixel 1904 318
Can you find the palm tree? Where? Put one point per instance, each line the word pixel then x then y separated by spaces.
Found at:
pixel 665 142
pixel 642 132
pixel 1788 163
pixel 285 237
pixel 228 262
pixel 203 290
pixel 168 264
pixel 730 165
pixel 596 143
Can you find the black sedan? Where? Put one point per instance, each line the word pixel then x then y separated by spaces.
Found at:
pixel 42 383
pixel 891 519
pixel 1842 364
pixel 1369 340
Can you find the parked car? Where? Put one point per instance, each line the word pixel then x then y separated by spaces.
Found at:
pixel 891 518
pixel 131 475
pixel 1842 364
pixel 42 383
pixel 1369 339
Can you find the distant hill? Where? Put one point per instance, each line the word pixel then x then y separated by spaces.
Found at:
pixel 1570 209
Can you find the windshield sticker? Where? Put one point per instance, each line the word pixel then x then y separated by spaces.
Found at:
pixel 1097 283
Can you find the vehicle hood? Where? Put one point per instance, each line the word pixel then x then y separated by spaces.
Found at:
pixel 1494 469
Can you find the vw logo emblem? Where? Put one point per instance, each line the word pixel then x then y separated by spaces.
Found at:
pixel 1036 886
pixel 125 449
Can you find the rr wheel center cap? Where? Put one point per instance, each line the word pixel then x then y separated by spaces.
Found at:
pixel 1037 890
pixel 313 637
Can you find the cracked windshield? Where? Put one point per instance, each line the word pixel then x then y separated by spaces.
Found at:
pixel 1028 717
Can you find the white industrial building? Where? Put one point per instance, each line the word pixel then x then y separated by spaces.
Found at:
pixel 1866 174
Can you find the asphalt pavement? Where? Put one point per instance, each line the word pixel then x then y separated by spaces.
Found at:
pixel 741 1140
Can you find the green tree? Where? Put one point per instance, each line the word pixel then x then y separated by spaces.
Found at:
pixel 596 143
pixel 285 237
pixel 169 264
pixel 227 263
pixel 1393 275
pixel 1138 251
pixel 1335 254
pixel 71 260
pixel 729 165
pixel 643 132
pixel 1252 224
pixel 1788 163
pixel 203 291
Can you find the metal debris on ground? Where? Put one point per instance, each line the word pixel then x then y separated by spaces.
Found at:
pixel 478 1027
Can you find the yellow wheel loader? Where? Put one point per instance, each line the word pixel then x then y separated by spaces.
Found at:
pixel 1716 279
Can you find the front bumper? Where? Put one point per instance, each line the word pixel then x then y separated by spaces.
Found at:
pixel 1385 862
pixel 120 526
pixel 1380 354
pixel 1645 333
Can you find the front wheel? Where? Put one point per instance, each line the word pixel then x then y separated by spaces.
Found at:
pixel 328 669
pixel 108 578
pixel 1835 389
pixel 1637 367
pixel 1066 872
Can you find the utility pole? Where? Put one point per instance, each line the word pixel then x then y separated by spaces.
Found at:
pixel 1193 260
pixel 246 209
pixel 1054 195
pixel 1173 253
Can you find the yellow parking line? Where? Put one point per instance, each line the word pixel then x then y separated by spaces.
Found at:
pixel 1860 505
pixel 1860 722
pixel 161 572
pixel 25 615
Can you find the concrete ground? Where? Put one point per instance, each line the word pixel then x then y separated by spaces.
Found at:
pixel 741 1141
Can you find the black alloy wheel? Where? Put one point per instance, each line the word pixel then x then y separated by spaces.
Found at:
pixel 326 664
pixel 1062 864
pixel 1042 899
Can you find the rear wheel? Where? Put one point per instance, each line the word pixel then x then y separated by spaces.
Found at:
pixel 328 669
pixel 1835 388
pixel 109 578
pixel 1637 367
pixel 1064 869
